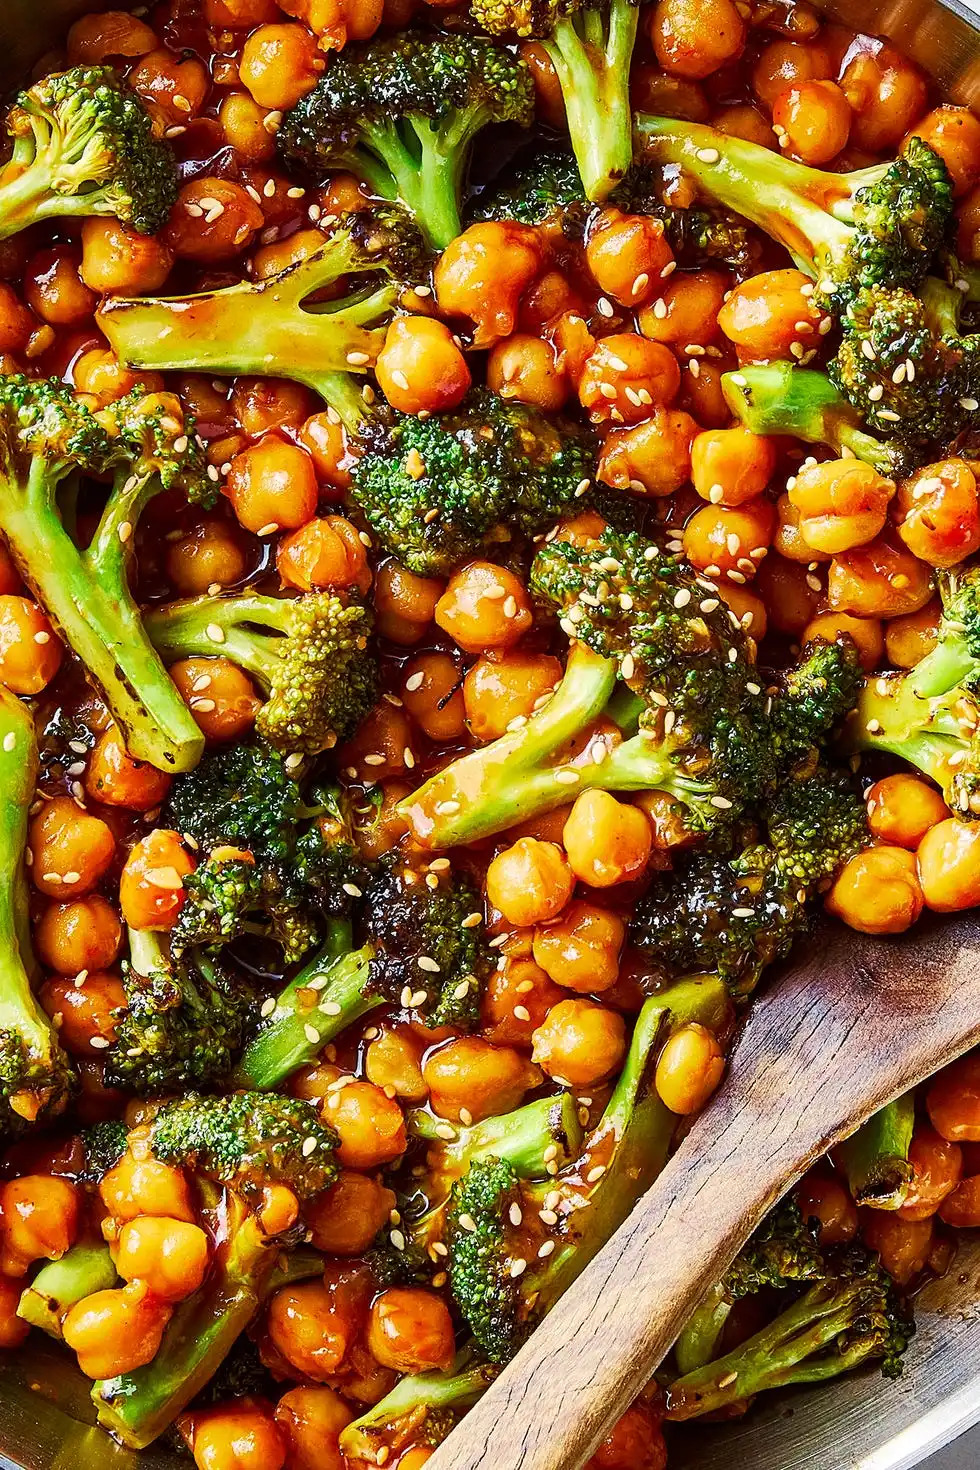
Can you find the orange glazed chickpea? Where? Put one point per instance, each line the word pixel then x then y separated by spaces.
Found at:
pixel 326 552
pixel 878 581
pixel 117 1330
pixel 117 260
pixel 82 935
pixel 221 698
pixel 526 368
pixel 841 503
pixel 13 1329
pixel 432 695
pixel 370 1125
pixel 770 312
pixel 877 891
pixel 516 1001
pixel 260 404
pixel 625 377
pixel 54 290
pixel 939 518
pixel 730 543
pixel 151 888
pixel 580 1043
pixel 634 1443
pixel 743 120
pixel 209 552
pixel 483 273
pixel 789 598
pixel 393 1061
pixel 101 378
pixel 312 1420
pixel 96 38
pixel 901 810
pixel 404 602
pixel 903 1245
pixel 530 882
pixel 651 90
pixel 113 778
pixel 312 1328
pixel 886 93
pixel 280 64
pixel 326 442
pixel 239 1436
pixel 749 609
pixel 937 1168
pixel 961 1208
pixel 143 1186
pixel 469 1079
pixel 607 841
pixel 71 849
pixel 730 466
pixel 865 633
pixel 378 749
pixel 689 1068
pixel 87 1012
pixel 17 322
pixel 949 866
pixel 497 691
pixel 420 368
pixel 243 124
pixel 581 949
pixel 953 1100
pixel 686 310
pixel 40 1220
pixel 788 541
pixel 410 1329
pixel 30 653
pixel 174 87
pixel 212 220
pixel 627 255
pixel 783 62
pixel 909 639
pixel 344 1219
pixel 484 606
pixel 272 486
pixel 652 458
pixel 692 38
pixel 812 121
pixel 953 133
pixel 171 1256
pixel 821 1196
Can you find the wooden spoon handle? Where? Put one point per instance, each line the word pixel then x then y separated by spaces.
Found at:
pixel 832 1043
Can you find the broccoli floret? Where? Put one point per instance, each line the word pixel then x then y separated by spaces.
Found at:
pixel 436 490
pixel 229 895
pixel 638 616
pixel 590 45
pixel 537 187
pixel 47 438
pixel 273 326
pixel 876 1157
pixel 242 796
pixel 775 398
pixel 103 1145
pixel 84 145
pixel 36 1078
pixel 879 226
pixel 60 1284
pixel 811 699
pixel 309 655
pixel 421 1409
pixel 401 114
pixel 694 234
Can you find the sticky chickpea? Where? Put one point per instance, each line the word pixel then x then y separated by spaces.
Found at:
pixel 750 610
pixel 689 1068
pixel 96 38
pixel 271 259
pixel 175 86
pixel 516 1001
pixel 580 1043
pixel 377 751
pixel 101 378
pixel 769 312
pixel 685 310
pixel 410 1329
pixel 580 949
pixel 151 892
pixel 694 40
pixel 627 255
pixel 949 866
pixel 821 1196
pixel 209 553
pixel 878 580
pixel 87 1012
pixel 887 93
pixel 55 291
pixel 784 62
pixel 144 1186
pixel 841 503
pixel 324 438
pixel 243 124
pixel 119 261
pixel 909 639
pixel 40 1215
pixel 903 1245
pixel 420 368
pixel 272 486
pixel 280 64
pixel 939 518
pixel 117 1330
pixel 171 1256
pixel 953 133
pixel 961 1207
pixel 82 935
pixel 222 699
pixel 653 91
pixel 953 1100
pixel 625 376
pixel 607 841
pixel 326 552
pixel 937 1168
pixel 865 633
pixel 432 695
pixel 497 691
pixel 743 120
pixel 30 651
pixel 635 1442
pixel 260 404
pixel 484 606
pixel 812 121
pixel 526 369
pixel 393 1061
pixel 730 466
pixel 730 543
pixel 968 227
pixel 470 1078
pixel 312 1328
pixel 212 220
pixel 483 273
pixel 71 849
pixel 345 1219
pixel 312 1420
pixel 901 810
pixel 788 541
pixel 405 603
pixel 240 14
pixel 530 882
pixel 113 778
pixel 238 1436
pixel 370 1125
pixel 651 458
pixel 877 891
pixel 17 322
pixel 13 1329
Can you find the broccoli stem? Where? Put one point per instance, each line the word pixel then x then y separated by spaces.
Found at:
pixel 698 1343
pixel 876 1157
pixel 59 1285
pixel 27 194
pixel 593 73
pixel 411 1403
pixel 546 1131
pixel 423 170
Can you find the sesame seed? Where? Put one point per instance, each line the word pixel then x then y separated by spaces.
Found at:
pixel 567 778
pixel 215 632
pixel 267 1007
pixel 99 1043
pixel 471 921
pixel 628 666
pixel 728 1380
pixel 522 1013
pixel 444 1131
pixel 9 741
pixel 466 1222
pixel 425 962
pixel 548 1217
pixel 312 1034
pixel 740 380
pixel 873 727
pixel 42 638
pixel 269 529
pixel 397 1239
pixel 546 1248
pixel 594 1175
pixel 969 404
pixel 682 598
pixel 517 1267
pixel 708 155
pixel 605 307
pixel 399 379
pixel 309 1146
pixel 721 802
pixel 550 1153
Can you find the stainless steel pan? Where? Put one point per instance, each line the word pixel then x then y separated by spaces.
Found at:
pixel 861 1424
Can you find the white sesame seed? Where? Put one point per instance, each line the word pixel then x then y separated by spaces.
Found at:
pixel 708 155
pixel 9 741
pixel 215 632
pixel 312 1034
pixel 546 1248
pixel 267 1007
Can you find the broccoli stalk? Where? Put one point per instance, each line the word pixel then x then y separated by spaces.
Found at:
pixel 84 145
pixel 35 1075
pixel 879 226
pixel 60 1285
pixel 546 1131
pixel 876 1157
pixel 422 1409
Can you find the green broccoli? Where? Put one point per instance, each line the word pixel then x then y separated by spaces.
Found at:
pixel 401 114
pixel 309 655
pixel 103 1145
pixel 47 438
pixel 83 144
pixel 876 1157
pixel 422 1409
pixel 590 45
pixel 36 1077
pixel 279 325
pixel 61 1284
pixel 879 226
pixel 540 185
pixel 242 796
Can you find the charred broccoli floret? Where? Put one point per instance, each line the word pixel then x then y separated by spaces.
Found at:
pixel 401 113
pixel 876 1157
pixel 422 1409
pixel 540 185
pixel 83 144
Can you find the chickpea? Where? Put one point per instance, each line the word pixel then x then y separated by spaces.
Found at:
pixel 222 699
pixel 938 513
pixel 394 1062
pixel 634 1443
pixel 101 378
pixel 530 882
pixel 213 220
pixel 652 458
pixel 782 63
pixel 901 810
pixel 17 322
pixel 209 554
pixel 949 866
pixel 763 315
pixel 841 503
pixel 788 541
pixel 95 39
pixel 750 610
pixel 82 935
pixel 30 653
pixel 953 133
pixel 384 827
pixel 71 849
pixel 909 639
pixel 151 888
pixel 953 1100
pixel 280 64
pixel 651 90
pixel 968 227
pixel 176 88
pixel 345 1219
pixel 685 312
pixel 573 344
pixel 703 394
pixel 551 296
pixel 420 368
pixel 272 259
pixel 238 1436
pixel 731 466
pixel 113 778
pixel 497 691
pixel 370 1125
pixel 483 273
pixel 607 841
pixel 55 291
pixel 961 1208
pixel 13 1329
pixel 865 633
pixel 324 438
pixel 812 121
pixel 404 602
pixel 87 1012
pixel 142 1185
pixel 886 94
pixel 432 695
pixel 271 486
pixel 326 552
pixel 580 1043
pixel 377 751
pixel 877 891
pixel 39 1214
pixel 312 1420
pixel 261 404
pixel 743 120
pixel 313 1327
pixel 516 1001
pixel 526 368
pixel 470 1079
pixel 689 1068
pixel 171 1256
pixel 878 580
pixel 903 1245
pixel 821 1196
pixel 119 261
pixel 410 1329
pixel 730 543
pixel 625 376
pixel 581 949
pixel 937 1167
pixel 484 606
pixel 627 255
pixel 694 39
pixel 116 1330
pixel 240 14
pixel 243 124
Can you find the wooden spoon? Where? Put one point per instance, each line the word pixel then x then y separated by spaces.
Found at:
pixel 860 1021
